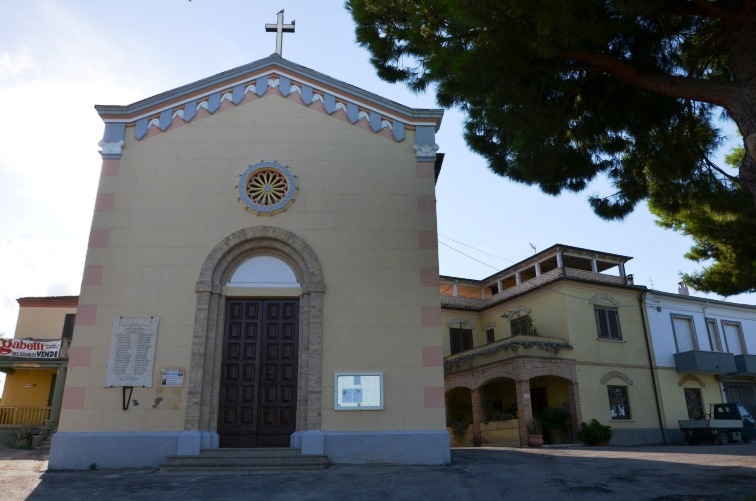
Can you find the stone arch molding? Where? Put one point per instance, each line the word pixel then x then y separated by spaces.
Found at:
pixel 207 340
pixel 459 323
pixel 690 377
pixel 599 298
pixel 618 375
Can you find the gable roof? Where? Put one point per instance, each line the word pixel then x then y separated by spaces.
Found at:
pixel 271 74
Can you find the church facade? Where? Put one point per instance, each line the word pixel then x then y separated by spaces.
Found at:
pixel 262 270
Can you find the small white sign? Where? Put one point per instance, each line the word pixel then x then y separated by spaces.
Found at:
pixel 358 391
pixel 172 377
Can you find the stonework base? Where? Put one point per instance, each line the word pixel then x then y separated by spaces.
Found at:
pixel 388 447
pixel 101 450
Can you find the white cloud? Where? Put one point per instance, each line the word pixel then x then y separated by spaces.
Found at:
pixel 15 62
pixel 36 264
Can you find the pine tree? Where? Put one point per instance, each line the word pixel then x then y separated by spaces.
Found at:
pixel 559 92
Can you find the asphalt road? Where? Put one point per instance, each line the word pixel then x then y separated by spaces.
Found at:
pixel 670 473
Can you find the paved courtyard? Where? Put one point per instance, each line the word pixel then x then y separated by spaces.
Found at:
pixel 670 473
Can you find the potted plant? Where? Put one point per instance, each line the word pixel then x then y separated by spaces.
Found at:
pixel 458 416
pixel 24 437
pixel 554 421
pixel 594 433
pixel 535 433
pixel 458 427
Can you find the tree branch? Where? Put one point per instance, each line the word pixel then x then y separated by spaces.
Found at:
pixel 716 93
pixel 706 8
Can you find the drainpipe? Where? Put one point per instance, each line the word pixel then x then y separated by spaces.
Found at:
pixel 651 366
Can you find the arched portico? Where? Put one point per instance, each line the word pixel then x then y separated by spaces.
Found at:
pixel 521 370
pixel 207 342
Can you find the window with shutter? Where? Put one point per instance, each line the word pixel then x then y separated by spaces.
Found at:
pixel 460 340
pixel 607 321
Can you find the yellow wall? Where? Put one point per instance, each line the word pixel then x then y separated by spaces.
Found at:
pixel 27 388
pixel 565 310
pixel 41 322
pixel 672 393
pixel 357 206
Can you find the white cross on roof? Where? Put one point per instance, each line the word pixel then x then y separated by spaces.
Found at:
pixel 280 28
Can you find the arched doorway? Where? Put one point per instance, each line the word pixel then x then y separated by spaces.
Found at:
pixel 258 384
pixel 234 277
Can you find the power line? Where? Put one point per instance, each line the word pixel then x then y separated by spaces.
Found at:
pixel 478 260
pixel 475 248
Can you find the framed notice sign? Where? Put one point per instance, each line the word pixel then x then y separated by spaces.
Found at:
pixel 132 351
pixel 358 391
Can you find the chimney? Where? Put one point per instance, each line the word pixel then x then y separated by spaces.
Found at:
pixel 682 289
pixel 630 280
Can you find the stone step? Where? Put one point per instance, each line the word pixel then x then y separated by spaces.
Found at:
pixel 44 446
pixel 265 452
pixel 248 461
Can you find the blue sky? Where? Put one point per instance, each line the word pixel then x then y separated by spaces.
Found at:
pixel 59 59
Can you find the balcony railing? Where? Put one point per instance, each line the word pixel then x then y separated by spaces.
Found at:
pixel 708 362
pixel 746 365
pixel 468 303
pixel 35 416
pixel 510 347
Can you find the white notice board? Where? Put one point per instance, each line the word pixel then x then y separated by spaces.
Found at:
pixel 358 391
pixel 132 351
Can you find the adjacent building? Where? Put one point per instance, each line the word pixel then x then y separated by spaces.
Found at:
pixel 35 361
pixel 704 353
pixel 563 329
pixel 567 329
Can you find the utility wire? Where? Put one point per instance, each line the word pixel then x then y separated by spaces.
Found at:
pixel 475 248
pixel 478 260
pixel 495 268
pixel 503 258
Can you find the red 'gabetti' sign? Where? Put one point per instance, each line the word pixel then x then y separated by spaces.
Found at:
pixel 29 348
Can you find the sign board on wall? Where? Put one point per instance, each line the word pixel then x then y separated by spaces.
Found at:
pixel 132 351
pixel 29 348
pixel 358 391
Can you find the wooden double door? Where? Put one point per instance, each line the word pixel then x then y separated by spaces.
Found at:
pixel 258 394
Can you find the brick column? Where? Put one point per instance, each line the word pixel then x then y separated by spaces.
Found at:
pixel 524 408
pixel 477 415
pixel 575 411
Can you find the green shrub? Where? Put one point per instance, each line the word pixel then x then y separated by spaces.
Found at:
pixel 594 433
pixel 459 427
pixel 534 427
pixel 554 418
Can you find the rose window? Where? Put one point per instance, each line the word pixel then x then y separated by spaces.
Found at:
pixel 266 188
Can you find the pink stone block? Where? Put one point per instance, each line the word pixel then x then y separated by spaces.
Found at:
pixel 430 316
pixel 86 314
pixel 79 356
pixel 110 167
pixel 427 239
pixel 426 203
pixel 73 398
pixel 433 356
pixel 92 275
pixel 424 170
pixel 433 397
pixel 99 238
pixel 429 277
pixel 105 201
